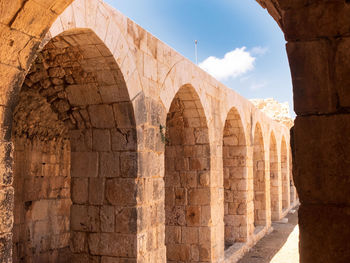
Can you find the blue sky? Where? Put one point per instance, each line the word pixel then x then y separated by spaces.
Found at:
pixel 221 27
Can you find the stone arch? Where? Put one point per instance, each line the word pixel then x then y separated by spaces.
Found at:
pixel 259 187
pixel 187 179
pixel 274 179
pixel 235 179
pixel 75 155
pixel 183 73
pixel 284 175
pixel 109 25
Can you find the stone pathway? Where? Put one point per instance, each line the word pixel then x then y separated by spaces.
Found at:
pixel 281 246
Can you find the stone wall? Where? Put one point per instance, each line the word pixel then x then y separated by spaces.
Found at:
pixel 41 230
pixel 317 36
pixel 260 181
pixel 65 102
pixel 149 134
pixel 187 180
pixel 235 185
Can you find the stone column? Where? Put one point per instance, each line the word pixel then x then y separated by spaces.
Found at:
pixel 6 201
pixel 319 54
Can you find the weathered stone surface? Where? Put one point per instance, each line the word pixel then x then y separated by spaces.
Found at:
pixel 312 86
pixel 322 175
pixel 275 110
pixel 333 223
pixel 79 89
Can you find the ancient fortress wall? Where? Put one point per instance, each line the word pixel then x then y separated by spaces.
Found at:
pixel 125 151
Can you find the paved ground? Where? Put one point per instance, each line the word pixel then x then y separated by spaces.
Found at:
pixel 281 246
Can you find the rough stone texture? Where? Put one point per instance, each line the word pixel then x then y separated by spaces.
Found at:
pixel 42 201
pixel 275 110
pixel 261 181
pixel 59 102
pixel 187 179
pixel 235 163
pixel 111 90
pixel 275 180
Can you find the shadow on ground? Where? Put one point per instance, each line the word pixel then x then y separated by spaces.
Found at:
pixel 270 245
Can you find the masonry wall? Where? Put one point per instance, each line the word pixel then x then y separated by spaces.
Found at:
pixel 112 88
pixel 317 33
pixel 41 230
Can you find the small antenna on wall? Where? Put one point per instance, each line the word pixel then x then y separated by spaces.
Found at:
pixel 195 51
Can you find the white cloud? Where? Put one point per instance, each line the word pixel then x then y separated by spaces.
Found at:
pixel 233 64
pixel 259 51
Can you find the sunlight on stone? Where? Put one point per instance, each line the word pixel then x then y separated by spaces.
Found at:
pixel 289 253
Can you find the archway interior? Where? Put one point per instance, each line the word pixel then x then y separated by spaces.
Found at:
pixel 274 180
pixel 75 159
pixel 284 174
pixel 293 191
pixel 187 180
pixel 235 179
pixel 259 179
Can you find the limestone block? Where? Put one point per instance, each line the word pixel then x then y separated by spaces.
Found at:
pixel 150 68
pixel 204 252
pixel 6 177
pixel 80 141
pixel 322 174
pixel 342 72
pixel 85 218
pixel 323 19
pixel 79 190
pixel 199 164
pixel 96 191
pixel 12 52
pixel 27 16
pixel 173 235
pixel 109 164
pixel 158 189
pixel 178 252
pixel 124 116
pixel 177 216
pixel 107 217
pixel 101 116
pixel 84 164
pixel 79 95
pixel 200 196
pixel 126 220
pixel 101 140
pixel 9 10
pixel 128 165
pixel 189 235
pixel 311 80
pixel 204 179
pixel 331 228
pixel 112 244
pixel 6 208
pixel 121 191
pixel 193 215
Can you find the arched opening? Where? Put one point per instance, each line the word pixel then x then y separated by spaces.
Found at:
pixel 75 159
pixel 274 180
pixel 293 192
pixel 259 179
pixel 235 179
pixel 187 180
pixel 284 175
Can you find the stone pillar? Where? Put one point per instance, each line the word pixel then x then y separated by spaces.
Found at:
pixel 150 184
pixel 319 54
pixel 6 202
